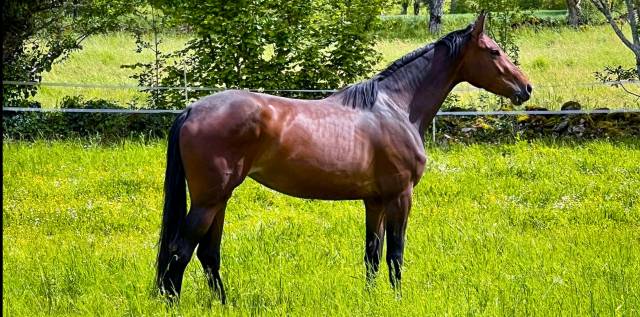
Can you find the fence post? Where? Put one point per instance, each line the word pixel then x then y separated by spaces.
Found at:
pixel 433 128
pixel 186 93
pixel 156 82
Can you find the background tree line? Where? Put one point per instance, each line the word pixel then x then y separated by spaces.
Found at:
pixel 260 44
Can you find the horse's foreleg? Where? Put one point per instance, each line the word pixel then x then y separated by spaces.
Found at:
pixel 374 237
pixel 209 254
pixel 396 214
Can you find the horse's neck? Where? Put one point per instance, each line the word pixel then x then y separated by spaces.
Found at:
pixel 420 88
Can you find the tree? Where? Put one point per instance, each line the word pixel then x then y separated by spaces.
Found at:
pixel 503 15
pixel 453 6
pixel 37 33
pixel 617 76
pixel 266 44
pixel 575 12
pixel 633 17
pixel 435 15
pixel 405 5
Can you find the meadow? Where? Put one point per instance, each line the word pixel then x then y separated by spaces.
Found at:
pixel 559 61
pixel 526 228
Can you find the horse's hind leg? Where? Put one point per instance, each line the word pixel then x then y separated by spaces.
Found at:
pixel 181 249
pixel 374 236
pixel 211 182
pixel 209 253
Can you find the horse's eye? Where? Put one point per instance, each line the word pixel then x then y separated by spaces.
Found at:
pixel 495 53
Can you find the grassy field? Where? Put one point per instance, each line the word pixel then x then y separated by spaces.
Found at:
pixel 516 229
pixel 555 59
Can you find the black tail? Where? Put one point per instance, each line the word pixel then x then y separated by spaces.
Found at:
pixel 175 198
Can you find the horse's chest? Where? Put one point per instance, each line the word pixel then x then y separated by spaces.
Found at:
pixel 400 164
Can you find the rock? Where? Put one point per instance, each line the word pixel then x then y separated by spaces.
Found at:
pixel 571 105
pixel 458 109
pixel 467 130
pixel 577 130
pixel 561 126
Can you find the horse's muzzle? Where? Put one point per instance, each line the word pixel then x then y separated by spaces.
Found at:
pixel 523 95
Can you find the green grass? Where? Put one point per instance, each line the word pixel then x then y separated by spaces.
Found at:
pixel 551 57
pixel 99 63
pixel 517 229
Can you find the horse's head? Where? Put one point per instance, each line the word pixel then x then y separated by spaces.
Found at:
pixel 485 65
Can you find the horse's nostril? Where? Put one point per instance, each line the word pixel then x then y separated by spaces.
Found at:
pixel 529 88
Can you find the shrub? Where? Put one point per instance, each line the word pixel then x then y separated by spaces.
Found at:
pixel 266 45
pixel 108 126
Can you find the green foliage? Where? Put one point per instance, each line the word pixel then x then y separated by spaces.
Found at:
pixel 38 33
pixel 415 27
pixel 266 45
pixel 619 75
pixel 61 125
pixel 540 228
pixel 471 6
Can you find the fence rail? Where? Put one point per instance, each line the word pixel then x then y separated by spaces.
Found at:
pixel 440 113
pixel 199 88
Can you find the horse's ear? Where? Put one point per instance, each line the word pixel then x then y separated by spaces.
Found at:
pixel 478 26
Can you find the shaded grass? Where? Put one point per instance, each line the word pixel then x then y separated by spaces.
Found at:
pixel 526 228
pixel 563 57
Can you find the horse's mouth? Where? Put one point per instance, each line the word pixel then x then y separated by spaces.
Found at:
pixel 516 100
pixel 520 98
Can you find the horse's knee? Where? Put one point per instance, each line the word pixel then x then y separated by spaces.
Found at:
pixel 209 259
pixel 180 252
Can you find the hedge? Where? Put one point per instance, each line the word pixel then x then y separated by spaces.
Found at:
pixel 416 26
pixel 61 125
pixel 111 126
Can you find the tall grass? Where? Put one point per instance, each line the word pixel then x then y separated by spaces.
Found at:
pixel 515 229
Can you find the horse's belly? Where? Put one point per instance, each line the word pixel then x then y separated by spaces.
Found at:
pixel 315 186
pixel 331 162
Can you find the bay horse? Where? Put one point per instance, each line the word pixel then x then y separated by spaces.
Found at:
pixel 365 142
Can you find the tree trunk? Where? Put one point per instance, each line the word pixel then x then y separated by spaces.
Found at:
pixel 633 17
pixel 416 7
pixel 435 16
pixel 405 5
pixel 453 6
pixel 575 12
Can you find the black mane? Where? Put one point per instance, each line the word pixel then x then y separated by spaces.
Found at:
pixel 363 95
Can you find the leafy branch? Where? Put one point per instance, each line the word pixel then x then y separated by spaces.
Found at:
pixel 617 76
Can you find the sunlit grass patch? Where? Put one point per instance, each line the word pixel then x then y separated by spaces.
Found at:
pixel 539 228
